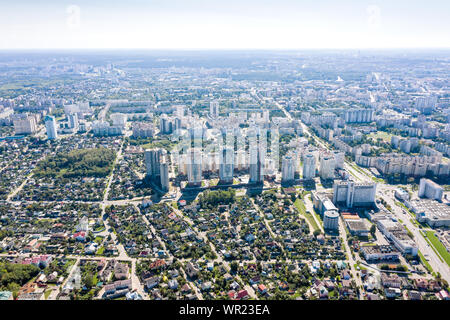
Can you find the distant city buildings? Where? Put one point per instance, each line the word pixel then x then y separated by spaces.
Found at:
pixel 79 108
pixel 73 121
pixel 358 115
pixel 168 125
pixel 24 123
pixel 5 114
pixel 103 128
pixel 143 130
pixel 214 109
pixel 119 119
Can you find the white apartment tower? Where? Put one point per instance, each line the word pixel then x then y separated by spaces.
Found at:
pixel 214 109
pixel 50 126
pixel 25 125
pixel 327 166
pixel 309 166
pixel 73 121
pixel 164 172
pixel 430 189
pixel 288 168
pixel 352 194
pixel 194 167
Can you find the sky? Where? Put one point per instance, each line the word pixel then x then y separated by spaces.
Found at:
pixel 224 24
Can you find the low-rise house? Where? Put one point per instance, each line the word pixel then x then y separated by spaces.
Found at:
pixel 6 295
pixel 158 264
pixel 117 289
pixel 31 296
pixel 391 281
pixel 392 292
pixel 80 236
pixel 262 289
pixel 186 289
pixel 414 295
pixel 121 271
pixel 151 282
pixel 173 284
pixel 242 295
pixel 191 270
pixel 206 286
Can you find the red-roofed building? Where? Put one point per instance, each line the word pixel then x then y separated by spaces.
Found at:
pixel 241 295
pixel 80 236
pixel 262 289
pixel 160 263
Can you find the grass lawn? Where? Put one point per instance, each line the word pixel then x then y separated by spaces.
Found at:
pixel 318 217
pixel 47 293
pixel 99 228
pixel 101 250
pixel 301 208
pixel 213 182
pixel 381 134
pixel 425 262
pixel 437 244
pixel 98 239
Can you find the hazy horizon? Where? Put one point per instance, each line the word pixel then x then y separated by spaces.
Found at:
pixel 231 25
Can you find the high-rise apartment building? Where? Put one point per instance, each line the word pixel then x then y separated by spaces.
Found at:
pixel 309 166
pixel 194 166
pixel 214 109
pixel 50 126
pixel 288 168
pixel 226 168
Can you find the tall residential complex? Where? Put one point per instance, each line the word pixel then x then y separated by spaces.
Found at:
pixel 288 168
pixel 194 166
pixel 152 162
pixel 226 168
pixel 214 109
pixel 352 194
pixel 73 121
pixel 327 166
pixel 25 124
pixel 157 167
pixel 256 164
pixel 309 166
pixel 164 172
pixel 119 119
pixel 50 126
pixel 358 115
pixel 430 189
